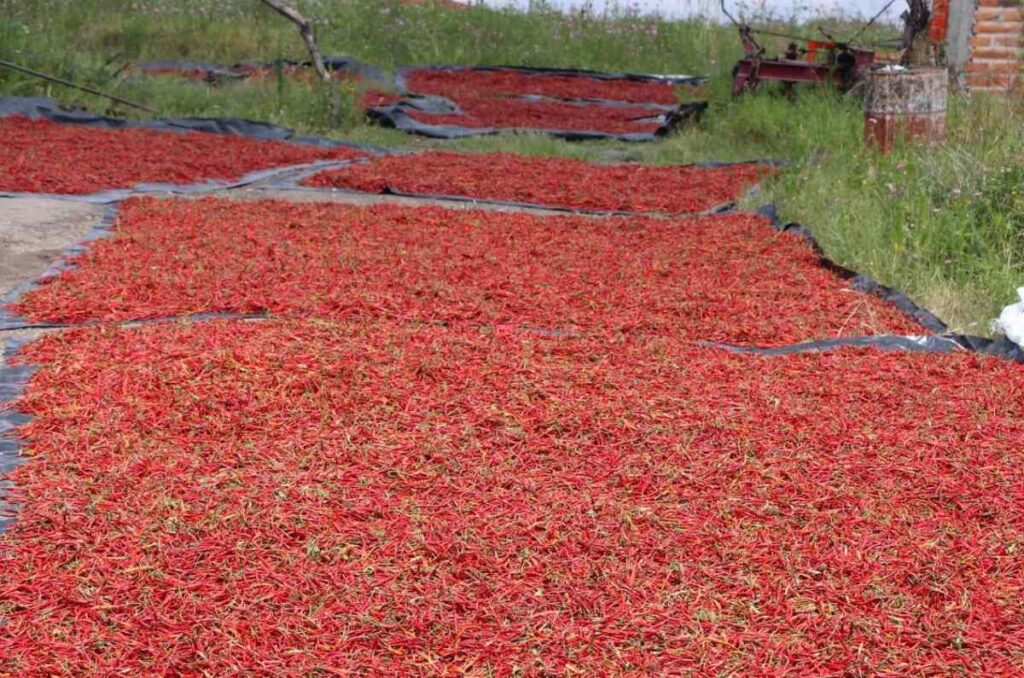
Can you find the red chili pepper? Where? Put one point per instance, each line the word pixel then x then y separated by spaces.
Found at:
pixel 553 182
pixel 723 278
pixel 301 497
pixel 40 156
pixel 495 99
pixel 460 84
pixel 487 111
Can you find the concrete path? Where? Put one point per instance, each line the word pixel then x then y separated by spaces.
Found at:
pixel 33 233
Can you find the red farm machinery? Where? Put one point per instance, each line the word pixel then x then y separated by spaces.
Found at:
pixel 841 63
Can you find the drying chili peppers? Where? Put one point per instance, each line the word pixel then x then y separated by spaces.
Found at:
pixel 511 99
pixel 501 83
pixel 298 498
pixel 46 157
pixel 485 111
pixel 552 182
pixel 723 278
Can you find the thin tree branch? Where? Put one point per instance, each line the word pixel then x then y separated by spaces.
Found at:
pixel 305 30
pixel 67 83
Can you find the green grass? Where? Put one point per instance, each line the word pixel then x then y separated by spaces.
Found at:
pixel 945 225
pixel 385 32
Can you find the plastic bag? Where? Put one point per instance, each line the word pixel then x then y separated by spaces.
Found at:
pixel 1011 320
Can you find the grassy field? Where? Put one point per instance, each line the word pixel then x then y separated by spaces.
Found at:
pixel 943 225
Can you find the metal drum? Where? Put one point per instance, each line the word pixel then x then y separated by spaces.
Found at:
pixel 907 105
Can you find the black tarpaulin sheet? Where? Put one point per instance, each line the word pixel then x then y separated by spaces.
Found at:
pixel 410 113
pixel 945 343
pixel 859 281
pixel 13 379
pixel 293 182
pixel 402 72
pixel 397 116
pixel 43 108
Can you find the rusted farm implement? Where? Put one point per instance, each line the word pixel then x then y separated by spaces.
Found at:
pixel 839 63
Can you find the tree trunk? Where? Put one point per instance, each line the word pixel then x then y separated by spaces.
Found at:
pixel 305 30
pixel 917 48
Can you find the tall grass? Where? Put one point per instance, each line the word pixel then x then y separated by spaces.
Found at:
pixel 945 225
pixel 385 32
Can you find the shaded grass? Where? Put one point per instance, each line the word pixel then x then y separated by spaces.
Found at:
pixel 943 225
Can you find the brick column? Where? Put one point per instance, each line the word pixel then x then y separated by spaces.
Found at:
pixel 996 55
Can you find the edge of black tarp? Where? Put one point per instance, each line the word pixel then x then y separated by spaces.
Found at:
pixel 606 103
pixel 45 108
pixel 942 343
pixel 1001 347
pixel 118 194
pixel 671 79
pixel 13 379
pixel 885 342
pixel 437 104
pixel 714 209
pixel 395 116
pixel 859 281
pixel 292 185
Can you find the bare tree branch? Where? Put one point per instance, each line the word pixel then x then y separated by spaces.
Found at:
pixel 305 30
pixel 66 83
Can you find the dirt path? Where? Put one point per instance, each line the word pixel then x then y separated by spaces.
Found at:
pixel 33 233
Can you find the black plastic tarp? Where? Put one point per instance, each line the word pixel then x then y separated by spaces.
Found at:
pixel 397 116
pixel 13 379
pixel 293 182
pixel 677 80
pixel 47 109
pixel 42 108
pixel 669 117
pixel 944 343
pixel 859 281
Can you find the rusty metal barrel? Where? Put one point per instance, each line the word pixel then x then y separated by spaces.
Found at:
pixel 906 105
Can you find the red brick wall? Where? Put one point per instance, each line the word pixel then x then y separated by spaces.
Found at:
pixel 996 55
